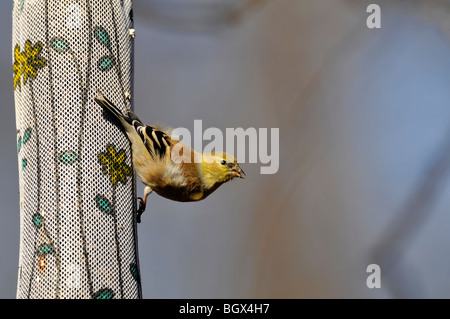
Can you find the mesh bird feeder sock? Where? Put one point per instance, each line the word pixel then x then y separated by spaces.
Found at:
pixel 78 233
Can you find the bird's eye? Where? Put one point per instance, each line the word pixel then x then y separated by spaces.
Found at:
pixel 223 162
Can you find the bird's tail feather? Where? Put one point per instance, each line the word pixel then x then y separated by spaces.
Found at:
pixel 108 105
pixel 132 116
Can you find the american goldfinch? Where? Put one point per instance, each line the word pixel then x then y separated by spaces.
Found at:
pixel 167 166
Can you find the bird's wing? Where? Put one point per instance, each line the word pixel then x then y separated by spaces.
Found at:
pixel 157 142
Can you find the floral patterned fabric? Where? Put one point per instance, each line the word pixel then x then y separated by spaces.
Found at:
pixel 77 187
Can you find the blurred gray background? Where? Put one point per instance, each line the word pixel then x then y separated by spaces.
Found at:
pixel 364 120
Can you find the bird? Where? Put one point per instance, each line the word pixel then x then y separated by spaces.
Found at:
pixel 168 167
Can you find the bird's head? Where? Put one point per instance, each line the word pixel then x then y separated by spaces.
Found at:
pixel 220 168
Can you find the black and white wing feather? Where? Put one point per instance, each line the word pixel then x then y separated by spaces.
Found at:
pixel 156 141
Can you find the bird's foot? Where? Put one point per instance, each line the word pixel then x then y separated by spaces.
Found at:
pixel 141 209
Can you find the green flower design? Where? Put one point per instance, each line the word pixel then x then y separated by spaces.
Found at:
pixel 106 62
pixel 104 293
pixel 37 220
pixel 113 164
pixel 134 272
pixel 60 45
pixel 27 63
pixel 68 157
pixel 21 4
pixel 103 204
pixel 44 249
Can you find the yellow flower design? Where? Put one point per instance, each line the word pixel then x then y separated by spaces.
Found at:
pixel 113 164
pixel 27 63
pixel 17 66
